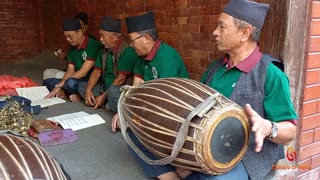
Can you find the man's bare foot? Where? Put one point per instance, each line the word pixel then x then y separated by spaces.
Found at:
pixel 62 94
pixel 74 98
pixel 183 173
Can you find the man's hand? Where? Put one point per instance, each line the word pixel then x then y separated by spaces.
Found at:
pixel 89 98
pixel 99 101
pixel 260 127
pixel 115 123
pixel 54 93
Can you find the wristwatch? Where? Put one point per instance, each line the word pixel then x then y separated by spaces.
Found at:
pixel 274 131
pixel 57 86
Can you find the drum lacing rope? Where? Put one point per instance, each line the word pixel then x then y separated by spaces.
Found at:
pixel 200 110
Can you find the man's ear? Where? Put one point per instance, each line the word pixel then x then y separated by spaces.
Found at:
pixel 148 38
pixel 246 33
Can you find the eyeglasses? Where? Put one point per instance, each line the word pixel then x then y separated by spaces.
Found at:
pixel 133 40
pixel 71 36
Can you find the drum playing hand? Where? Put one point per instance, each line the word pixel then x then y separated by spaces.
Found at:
pixel 260 127
pixel 115 123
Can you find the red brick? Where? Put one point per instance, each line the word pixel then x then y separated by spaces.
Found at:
pixel 166 21
pixel 312 77
pixel 305 165
pixel 194 11
pixel 315 12
pixel 180 4
pixel 310 122
pixel 21 39
pixel 314 44
pixel 165 5
pixel 194 76
pixel 184 52
pixel 290 176
pixel 194 3
pixel 317 135
pixel 205 19
pixel 210 10
pixel 200 36
pixel 310 175
pixel 161 28
pixel 306 138
pixel 318 106
pixel 191 28
pixel 174 28
pixel 313 60
pixel 181 20
pixel 207 28
pixel 315 162
pixel 309 150
pixel 315 27
pixel 166 36
pixel 311 92
pixel 309 108
pixel 199 54
pixel 178 13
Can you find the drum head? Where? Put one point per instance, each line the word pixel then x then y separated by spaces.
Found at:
pixel 227 138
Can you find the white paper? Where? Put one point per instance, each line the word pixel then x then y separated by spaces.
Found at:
pixel 78 120
pixel 37 94
pixel 66 117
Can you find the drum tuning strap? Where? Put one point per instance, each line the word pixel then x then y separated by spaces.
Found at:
pixel 200 110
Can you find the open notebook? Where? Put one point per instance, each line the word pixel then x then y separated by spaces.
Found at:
pixel 37 94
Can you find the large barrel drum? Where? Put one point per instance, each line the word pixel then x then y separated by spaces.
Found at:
pixel 184 123
pixel 22 159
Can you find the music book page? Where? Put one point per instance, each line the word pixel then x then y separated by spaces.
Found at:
pixel 78 120
pixel 37 94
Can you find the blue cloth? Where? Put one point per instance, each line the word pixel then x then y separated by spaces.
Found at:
pixel 153 171
pixel 238 172
pixel 70 86
pixel 96 91
pixel 50 83
pixel 113 94
pixel 24 102
pixel 150 171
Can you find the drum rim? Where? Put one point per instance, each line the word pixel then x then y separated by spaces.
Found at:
pixel 214 166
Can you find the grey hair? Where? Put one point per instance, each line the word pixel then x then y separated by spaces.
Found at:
pixel 255 34
pixel 118 34
pixel 153 33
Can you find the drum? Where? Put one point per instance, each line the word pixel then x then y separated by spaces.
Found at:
pixel 22 159
pixel 184 123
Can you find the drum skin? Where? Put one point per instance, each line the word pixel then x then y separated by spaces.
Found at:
pixel 155 110
pixel 22 159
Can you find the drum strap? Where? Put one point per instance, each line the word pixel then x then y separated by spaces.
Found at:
pixel 181 135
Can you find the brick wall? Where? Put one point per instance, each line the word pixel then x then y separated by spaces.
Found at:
pixel 19 29
pixel 309 145
pixel 187 25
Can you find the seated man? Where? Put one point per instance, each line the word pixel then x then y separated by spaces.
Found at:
pixel 114 64
pixel 83 17
pixel 256 82
pixel 159 61
pixel 80 58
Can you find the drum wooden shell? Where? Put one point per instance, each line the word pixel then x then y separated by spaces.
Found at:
pixel 22 159
pixel 155 110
